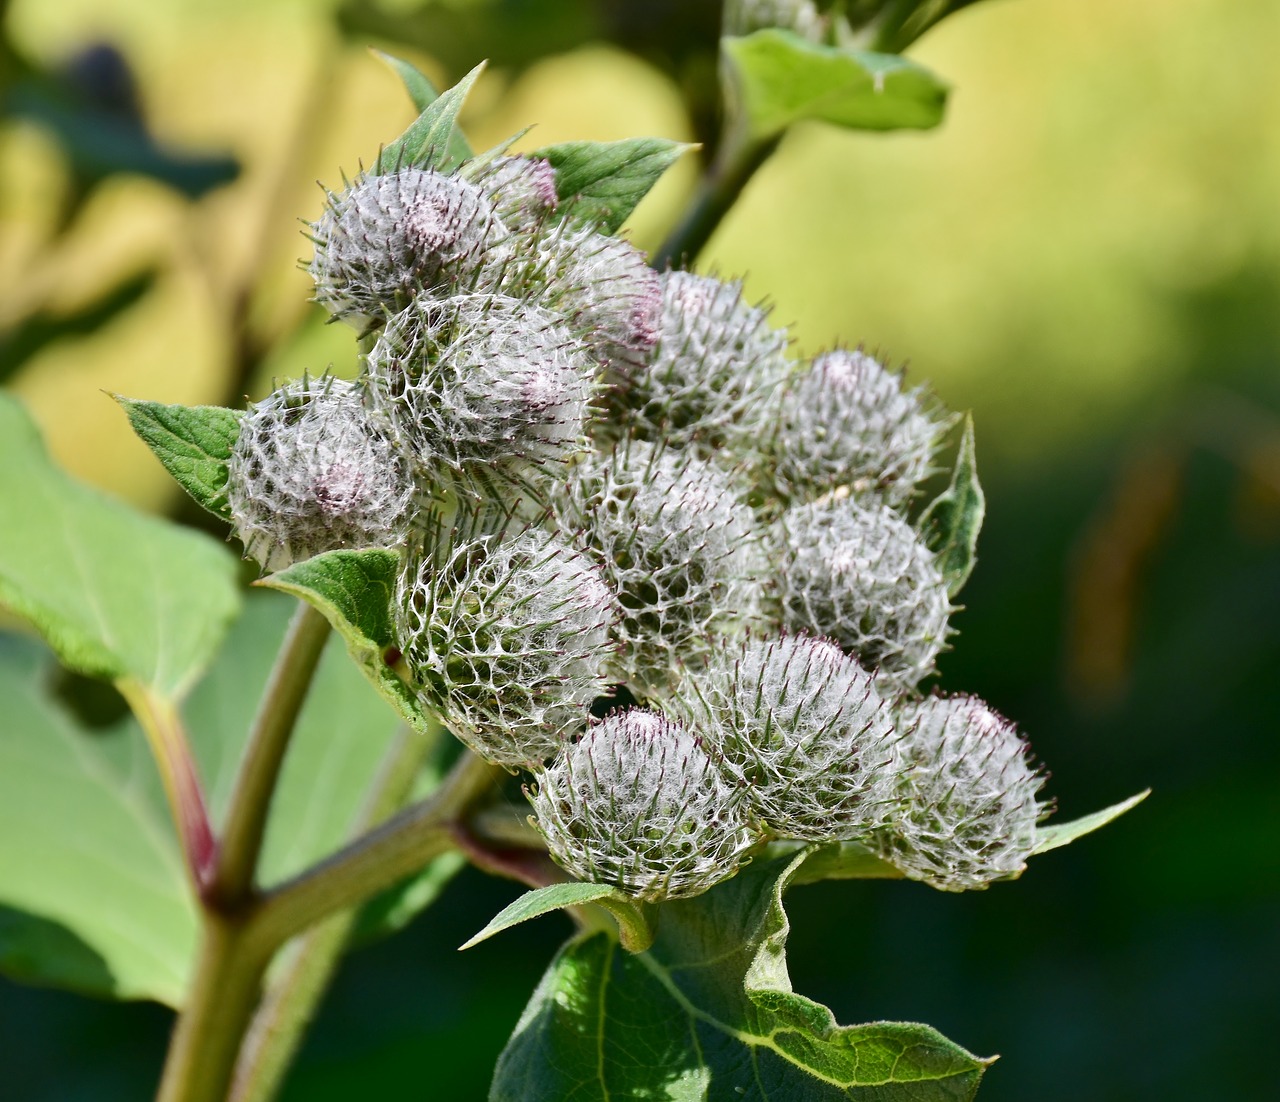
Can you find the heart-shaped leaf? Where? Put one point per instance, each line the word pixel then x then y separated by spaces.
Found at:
pixel 776 78
pixel 708 1013
pixel 117 594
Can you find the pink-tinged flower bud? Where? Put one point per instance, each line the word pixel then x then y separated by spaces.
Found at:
pixel 847 422
pixel 676 546
pixel 509 641
pixel 638 804
pixel 387 239
pixel 480 390
pixel 861 575
pixel 800 729
pixel 968 803
pixel 312 471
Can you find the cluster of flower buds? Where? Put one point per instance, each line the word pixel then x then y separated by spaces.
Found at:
pixel 598 475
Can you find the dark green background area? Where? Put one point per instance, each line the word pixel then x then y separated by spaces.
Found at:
pixel 1125 611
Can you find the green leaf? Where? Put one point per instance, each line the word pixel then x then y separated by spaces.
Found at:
pixel 951 523
pixel 843 861
pixel 91 879
pixel 354 591
pixel 1062 834
pixel 708 1012
pixel 433 139
pixel 416 83
pixel 116 594
pixel 777 78
pixel 601 183
pixel 193 442
pixel 542 901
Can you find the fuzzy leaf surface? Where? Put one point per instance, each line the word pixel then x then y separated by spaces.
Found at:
pixel 354 591
pixel 93 892
pixel 1063 834
pixel 433 139
pixel 778 78
pixel 601 183
pixel 194 443
pixel 951 523
pixel 115 593
pixel 708 1013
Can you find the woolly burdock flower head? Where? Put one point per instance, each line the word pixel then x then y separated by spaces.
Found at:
pixel 716 373
pixel 800 729
pixel 389 237
pixel 311 471
pixel 638 804
pixel 481 386
pixel 601 285
pixel 968 808
pixel 521 189
pixel 848 422
pixel 860 574
pixel 508 640
pixel 675 545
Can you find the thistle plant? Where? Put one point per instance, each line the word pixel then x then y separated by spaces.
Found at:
pixel 586 512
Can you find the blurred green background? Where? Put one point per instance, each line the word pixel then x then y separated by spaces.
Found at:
pixel 1087 254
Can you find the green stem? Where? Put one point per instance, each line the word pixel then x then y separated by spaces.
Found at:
pixel 223 995
pixel 735 164
pixel 378 860
pixel 294 994
pixel 241 840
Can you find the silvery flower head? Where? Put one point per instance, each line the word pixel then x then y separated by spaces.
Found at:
pixel 847 422
pixel 968 801
pixel 508 640
pixel 800 729
pixel 389 237
pixel 521 189
pixel 716 373
pixel 638 804
pixel 860 574
pixel 677 547
pixel 602 287
pixel 481 388
pixel 312 471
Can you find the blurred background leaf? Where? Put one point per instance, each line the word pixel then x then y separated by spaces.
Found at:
pixel 1086 253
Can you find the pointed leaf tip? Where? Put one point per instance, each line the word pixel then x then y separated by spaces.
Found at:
pixel 1062 834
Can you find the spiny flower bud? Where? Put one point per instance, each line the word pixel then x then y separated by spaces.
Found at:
pixel 311 472
pixel 508 641
pixel 601 285
pixel 476 386
pixel 800 729
pixel 968 809
pixel 676 547
pixel 716 373
pixel 386 238
pixel 742 17
pixel 860 574
pixel 638 804
pixel 522 189
pixel 848 422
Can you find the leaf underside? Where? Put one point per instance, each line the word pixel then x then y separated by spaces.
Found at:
pixel 953 520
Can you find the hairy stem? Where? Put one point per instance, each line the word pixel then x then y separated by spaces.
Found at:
pixel 291 1001
pixel 729 173
pixel 241 840
pixel 379 859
